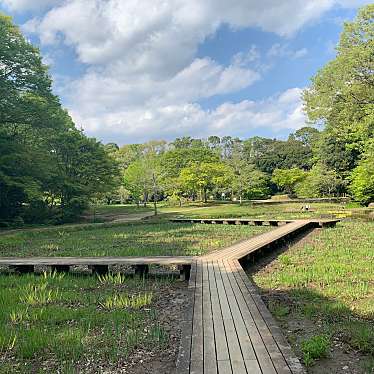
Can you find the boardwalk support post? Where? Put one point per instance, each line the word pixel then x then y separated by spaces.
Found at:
pixel 99 269
pixel 141 270
pixel 60 268
pixel 22 269
pixel 184 271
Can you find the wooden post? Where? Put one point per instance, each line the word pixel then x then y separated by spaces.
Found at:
pixel 60 268
pixel 99 269
pixel 184 271
pixel 141 270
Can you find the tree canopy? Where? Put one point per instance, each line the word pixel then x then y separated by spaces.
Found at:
pixel 48 169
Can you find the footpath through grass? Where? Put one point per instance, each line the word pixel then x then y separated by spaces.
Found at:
pixel 163 238
pixel 71 324
pixel 329 281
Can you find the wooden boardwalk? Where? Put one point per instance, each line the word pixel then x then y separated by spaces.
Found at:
pixel 227 328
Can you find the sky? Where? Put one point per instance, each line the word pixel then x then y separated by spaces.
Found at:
pixel 138 70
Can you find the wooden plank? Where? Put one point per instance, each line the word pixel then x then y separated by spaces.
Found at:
pixel 224 367
pixel 184 354
pixel 272 348
pixel 105 260
pixel 197 354
pixel 243 337
pixel 259 345
pixel 236 357
pixel 210 358
pixel 219 330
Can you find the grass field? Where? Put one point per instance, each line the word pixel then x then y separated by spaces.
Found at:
pixel 70 324
pixel 57 323
pixel 328 280
pixel 277 211
pixel 150 239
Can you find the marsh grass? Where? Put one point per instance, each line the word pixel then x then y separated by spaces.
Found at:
pixel 330 279
pixel 149 239
pixel 89 321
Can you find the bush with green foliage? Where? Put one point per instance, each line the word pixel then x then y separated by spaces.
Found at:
pixel 362 178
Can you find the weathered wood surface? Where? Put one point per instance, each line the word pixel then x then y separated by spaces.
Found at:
pixel 230 329
pixel 70 261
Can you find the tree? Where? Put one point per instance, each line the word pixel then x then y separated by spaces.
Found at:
pixel 270 154
pixel 287 179
pixel 174 160
pixel 319 181
pixel 362 178
pixel 308 136
pixel 83 170
pixel 204 176
pixel 48 168
pixel 341 96
pixel 248 181
pixel 142 178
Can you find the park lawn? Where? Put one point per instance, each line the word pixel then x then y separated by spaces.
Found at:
pixel 138 239
pixel 329 281
pixel 121 209
pixel 273 211
pixel 69 324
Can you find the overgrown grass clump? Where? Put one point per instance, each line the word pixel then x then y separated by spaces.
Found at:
pixel 330 280
pixel 149 239
pixel 314 348
pixel 52 323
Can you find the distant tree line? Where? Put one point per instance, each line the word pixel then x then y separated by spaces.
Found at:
pixel 49 170
pixel 334 160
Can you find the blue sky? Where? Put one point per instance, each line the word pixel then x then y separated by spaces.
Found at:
pixel 135 71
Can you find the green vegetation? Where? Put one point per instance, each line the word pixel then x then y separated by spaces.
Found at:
pixel 57 323
pixel 265 211
pixel 314 348
pixel 125 240
pixel 49 170
pixel 330 282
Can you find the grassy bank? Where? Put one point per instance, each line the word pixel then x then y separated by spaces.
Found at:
pixel 327 282
pixel 70 324
pixel 162 238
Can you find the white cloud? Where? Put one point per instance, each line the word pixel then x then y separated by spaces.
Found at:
pixel 282 112
pixel 283 50
pixel 22 5
pixel 143 79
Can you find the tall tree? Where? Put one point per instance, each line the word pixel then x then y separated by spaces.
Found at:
pixel 341 96
pixel 362 178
